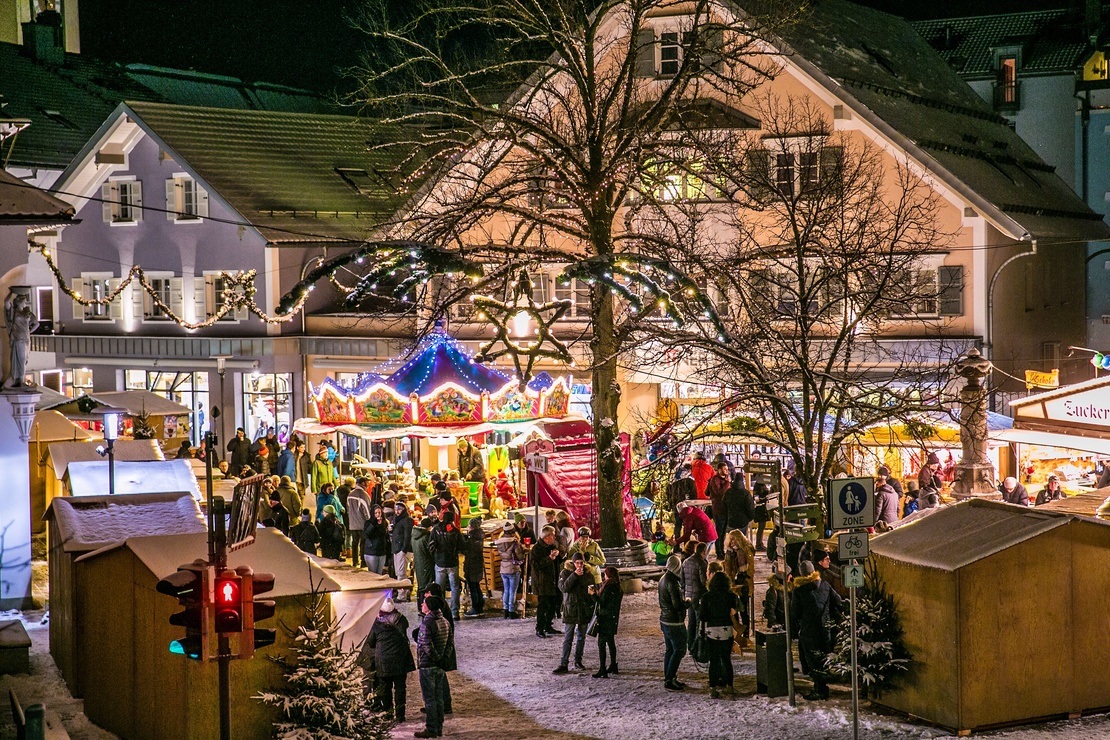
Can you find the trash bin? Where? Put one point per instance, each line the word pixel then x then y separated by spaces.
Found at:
pixel 770 663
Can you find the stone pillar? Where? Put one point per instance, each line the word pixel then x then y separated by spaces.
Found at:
pixel 974 474
pixel 17 412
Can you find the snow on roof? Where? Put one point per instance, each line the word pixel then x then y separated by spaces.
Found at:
pixel 51 426
pixel 155 476
pixel 125 450
pixel 92 522
pixel 356 580
pixel 967 532
pixel 272 552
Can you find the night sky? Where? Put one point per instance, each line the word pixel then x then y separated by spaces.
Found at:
pixel 306 43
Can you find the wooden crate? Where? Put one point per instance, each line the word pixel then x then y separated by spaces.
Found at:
pixel 491 580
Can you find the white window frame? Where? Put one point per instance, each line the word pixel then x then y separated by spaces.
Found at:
pixel 670 40
pixel 206 298
pixel 804 162
pixel 927 270
pixel 179 209
pixel 93 285
pixel 170 289
pixel 577 291
pixel 114 205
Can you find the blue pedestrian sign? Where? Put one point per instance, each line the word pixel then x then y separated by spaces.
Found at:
pixel 851 503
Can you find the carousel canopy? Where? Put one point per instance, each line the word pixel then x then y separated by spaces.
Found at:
pixel 439 387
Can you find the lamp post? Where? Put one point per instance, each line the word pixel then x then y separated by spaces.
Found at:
pixel 221 368
pixel 111 419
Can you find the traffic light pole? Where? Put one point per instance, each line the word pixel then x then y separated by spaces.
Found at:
pixel 786 600
pixel 217 555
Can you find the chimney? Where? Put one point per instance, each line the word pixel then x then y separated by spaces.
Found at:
pixel 1092 19
pixel 44 38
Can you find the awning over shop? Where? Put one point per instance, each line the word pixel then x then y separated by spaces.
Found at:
pixel 1052 439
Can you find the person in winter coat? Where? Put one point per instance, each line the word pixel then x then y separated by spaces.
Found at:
pixel 1013 492
pixel 545 569
pixel 694 583
pixel 304 533
pixel 679 491
pixel 796 493
pixel 326 498
pixel 739 504
pixel 696 522
pixel 609 597
pixel 239 451
pixel 386 653
pixel 331 534
pixel 474 567
pixel 716 610
pixel 262 462
pixel 717 490
pixel 376 542
pixel 358 512
pixel 322 470
pixel 701 471
pixel 278 518
pixel 739 566
pixel 672 621
pixel 302 466
pixel 774 610
pixel 447 542
pixel 814 604
pixel 432 645
pixel 720 458
pixel 524 530
pixel 423 559
pixel 401 537
pixel 886 500
pixel 577 609
pixel 290 496
pixel 286 466
pixel 760 491
pixel 591 553
pixel 891 480
pixel 512 558
pixel 929 475
pixel 471 468
pixel 1051 492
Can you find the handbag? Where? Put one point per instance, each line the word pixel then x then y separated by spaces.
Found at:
pixel 592 627
pixel 700 649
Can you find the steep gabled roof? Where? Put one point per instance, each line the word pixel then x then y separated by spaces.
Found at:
pixel 21 203
pixel 67 104
pixel 296 177
pixel 1050 41
pixel 890 76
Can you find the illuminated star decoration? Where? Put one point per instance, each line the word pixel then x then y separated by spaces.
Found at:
pixel 505 315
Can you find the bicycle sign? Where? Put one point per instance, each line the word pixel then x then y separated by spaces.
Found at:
pixel 851 503
pixel 852 546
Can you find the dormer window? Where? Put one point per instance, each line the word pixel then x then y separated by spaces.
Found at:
pixel 1007 88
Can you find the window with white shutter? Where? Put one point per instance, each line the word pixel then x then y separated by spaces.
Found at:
pixel 186 200
pixel 122 201
pixel 215 288
pixel 97 286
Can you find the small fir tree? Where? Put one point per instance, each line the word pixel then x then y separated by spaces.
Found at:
pixel 882 650
pixel 323 697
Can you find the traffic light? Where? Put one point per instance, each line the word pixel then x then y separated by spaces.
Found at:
pixel 228 603
pixel 255 611
pixel 189 585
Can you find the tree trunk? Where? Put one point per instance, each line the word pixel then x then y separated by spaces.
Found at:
pixel 605 402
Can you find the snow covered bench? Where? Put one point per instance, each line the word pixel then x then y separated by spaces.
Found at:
pixel 15 647
pixel 36 722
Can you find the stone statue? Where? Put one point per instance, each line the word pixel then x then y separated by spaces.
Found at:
pixel 21 322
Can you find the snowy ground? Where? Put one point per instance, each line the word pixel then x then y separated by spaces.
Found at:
pixel 504 690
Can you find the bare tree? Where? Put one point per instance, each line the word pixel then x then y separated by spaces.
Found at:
pixel 577 167
pixel 830 285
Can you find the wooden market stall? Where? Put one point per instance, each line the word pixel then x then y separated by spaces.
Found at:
pixel 48 427
pixel 1004 611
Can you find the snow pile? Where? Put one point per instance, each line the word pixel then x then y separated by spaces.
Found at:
pixel 90 525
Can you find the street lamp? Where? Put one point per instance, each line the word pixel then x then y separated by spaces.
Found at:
pixel 111 420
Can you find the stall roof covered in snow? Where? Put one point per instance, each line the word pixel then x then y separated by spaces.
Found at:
pixel 272 552
pixel 152 476
pixel 962 534
pixel 92 522
pixel 50 426
pixel 125 450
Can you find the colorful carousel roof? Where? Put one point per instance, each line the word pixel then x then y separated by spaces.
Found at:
pixel 440 389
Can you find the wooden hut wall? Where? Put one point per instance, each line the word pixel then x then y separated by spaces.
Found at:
pixel 128 670
pixel 926 600
pixel 107 641
pixel 1090 595
pixel 63 608
pixel 1015 609
pixel 39 472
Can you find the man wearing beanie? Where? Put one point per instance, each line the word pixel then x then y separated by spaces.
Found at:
pixel 431 652
pixel 672 620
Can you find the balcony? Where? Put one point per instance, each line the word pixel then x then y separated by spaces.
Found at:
pixel 1007 95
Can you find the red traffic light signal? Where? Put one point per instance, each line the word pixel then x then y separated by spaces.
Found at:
pixel 228 603
pixel 255 611
pixel 189 586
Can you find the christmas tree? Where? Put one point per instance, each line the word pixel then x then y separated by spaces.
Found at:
pixel 323 697
pixel 882 651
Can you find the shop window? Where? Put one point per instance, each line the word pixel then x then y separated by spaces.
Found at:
pixel 122 200
pixel 186 201
pixel 268 403
pixel 81 381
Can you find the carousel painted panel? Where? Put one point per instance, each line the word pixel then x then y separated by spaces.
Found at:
pixel 379 404
pixel 449 404
pixel 332 405
pixel 556 400
pixel 511 404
